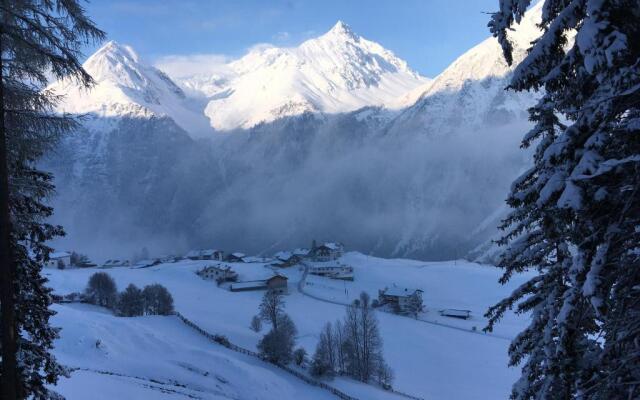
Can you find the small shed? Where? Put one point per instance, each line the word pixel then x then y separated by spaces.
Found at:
pixel 455 313
pixel 276 283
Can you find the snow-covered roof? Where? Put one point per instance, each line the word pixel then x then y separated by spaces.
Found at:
pixel 209 252
pixel 301 252
pixel 60 254
pixel 284 255
pixel 400 292
pixel 255 259
pixel 238 255
pixel 331 245
pixel 452 312
pixel 249 284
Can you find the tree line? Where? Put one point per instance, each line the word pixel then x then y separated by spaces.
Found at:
pixel 153 299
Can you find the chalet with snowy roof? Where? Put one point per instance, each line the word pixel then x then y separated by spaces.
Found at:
pixel 339 271
pixel 218 273
pixel 401 300
pixel 277 283
pixel 60 260
pixel 235 257
pixel 286 259
pixel 328 251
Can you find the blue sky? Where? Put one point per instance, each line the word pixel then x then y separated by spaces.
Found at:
pixel 428 34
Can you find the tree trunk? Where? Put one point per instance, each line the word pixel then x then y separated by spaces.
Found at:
pixel 9 380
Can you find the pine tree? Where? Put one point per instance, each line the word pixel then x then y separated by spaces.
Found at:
pixel 576 212
pixel 37 37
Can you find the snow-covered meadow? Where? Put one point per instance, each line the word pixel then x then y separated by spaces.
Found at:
pixel 433 357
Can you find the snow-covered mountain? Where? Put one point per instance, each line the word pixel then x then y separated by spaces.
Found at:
pixel 128 87
pixel 414 170
pixel 471 91
pixel 334 73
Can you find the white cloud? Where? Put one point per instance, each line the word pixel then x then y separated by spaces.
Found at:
pixel 181 66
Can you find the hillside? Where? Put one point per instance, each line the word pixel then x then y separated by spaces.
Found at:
pixel 427 357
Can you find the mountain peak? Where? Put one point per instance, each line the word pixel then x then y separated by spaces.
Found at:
pixel 342 30
pixel 113 49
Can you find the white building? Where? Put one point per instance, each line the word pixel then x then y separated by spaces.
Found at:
pixel 402 300
pixel 60 260
pixel 218 273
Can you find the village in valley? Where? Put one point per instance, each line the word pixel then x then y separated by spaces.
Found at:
pixel 322 260
pixel 221 294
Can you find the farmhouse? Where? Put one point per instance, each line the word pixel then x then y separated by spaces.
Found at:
pixel 286 259
pixel 60 260
pixel 402 300
pixel 344 272
pixel 327 251
pixel 235 257
pixel 277 283
pixel 218 273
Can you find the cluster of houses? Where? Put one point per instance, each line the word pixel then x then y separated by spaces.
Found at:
pixel 66 259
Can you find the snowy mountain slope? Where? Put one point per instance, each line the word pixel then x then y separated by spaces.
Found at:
pixel 471 91
pixel 336 72
pixel 425 357
pixel 157 357
pixel 416 181
pixel 127 87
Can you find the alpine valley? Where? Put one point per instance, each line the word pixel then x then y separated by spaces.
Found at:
pixel 334 139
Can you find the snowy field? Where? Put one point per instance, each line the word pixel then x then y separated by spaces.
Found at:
pixel 433 357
